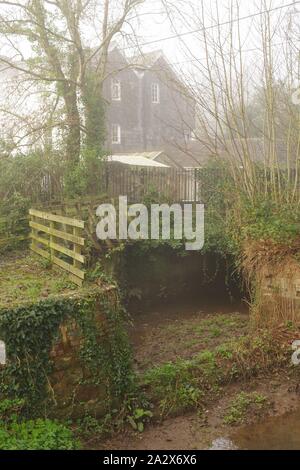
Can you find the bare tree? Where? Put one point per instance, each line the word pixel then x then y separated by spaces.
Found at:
pixel 236 58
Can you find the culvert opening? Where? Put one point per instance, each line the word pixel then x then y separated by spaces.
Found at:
pixel 182 307
pixel 164 278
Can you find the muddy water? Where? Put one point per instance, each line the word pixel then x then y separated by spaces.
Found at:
pixel 280 433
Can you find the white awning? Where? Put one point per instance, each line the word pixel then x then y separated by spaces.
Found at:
pixel 135 160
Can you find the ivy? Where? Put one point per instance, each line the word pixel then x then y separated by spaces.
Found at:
pixel 30 332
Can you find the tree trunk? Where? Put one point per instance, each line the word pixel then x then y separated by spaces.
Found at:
pixel 73 142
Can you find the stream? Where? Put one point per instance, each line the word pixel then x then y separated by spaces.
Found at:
pixel 278 433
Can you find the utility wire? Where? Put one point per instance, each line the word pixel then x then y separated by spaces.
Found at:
pixel 218 25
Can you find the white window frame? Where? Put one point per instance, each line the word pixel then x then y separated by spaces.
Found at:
pixel 116 89
pixel 115 134
pixel 187 135
pixel 155 93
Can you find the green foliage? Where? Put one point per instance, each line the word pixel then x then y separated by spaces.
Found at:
pixel 175 387
pixel 21 175
pixel 14 226
pixel 231 217
pixel 106 351
pixel 91 428
pixel 97 272
pixel 138 418
pixel 95 114
pixel 188 384
pixel 267 220
pixel 85 176
pixel 11 409
pixel 36 435
pixel 242 405
pixel 216 195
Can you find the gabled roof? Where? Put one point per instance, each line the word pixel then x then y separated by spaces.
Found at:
pixel 146 59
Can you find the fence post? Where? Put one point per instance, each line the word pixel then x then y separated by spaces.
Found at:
pixel 52 240
pixel 34 232
pixel 77 248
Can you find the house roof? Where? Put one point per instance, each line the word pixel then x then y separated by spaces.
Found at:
pixel 193 155
pixel 137 159
pixel 197 153
pixel 147 59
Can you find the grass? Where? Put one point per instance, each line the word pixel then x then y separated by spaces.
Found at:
pixel 28 278
pixel 243 405
pixel 185 385
pixel 25 278
pixel 186 338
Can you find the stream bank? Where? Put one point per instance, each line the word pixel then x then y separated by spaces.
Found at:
pixel 179 332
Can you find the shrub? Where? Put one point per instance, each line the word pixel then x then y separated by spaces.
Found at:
pixel 36 435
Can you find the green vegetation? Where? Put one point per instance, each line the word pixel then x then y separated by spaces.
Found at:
pixel 37 434
pixel 233 218
pixel 184 338
pixel 30 331
pixel 189 384
pixel 18 433
pixel 27 278
pixel 244 404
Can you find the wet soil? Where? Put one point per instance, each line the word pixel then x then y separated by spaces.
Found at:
pixel 207 430
pixel 181 331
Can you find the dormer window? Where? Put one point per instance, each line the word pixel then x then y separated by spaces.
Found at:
pixel 116 89
pixel 155 93
pixel 116 134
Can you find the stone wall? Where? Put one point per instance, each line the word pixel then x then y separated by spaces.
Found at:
pixel 278 292
pixel 69 383
pixel 68 355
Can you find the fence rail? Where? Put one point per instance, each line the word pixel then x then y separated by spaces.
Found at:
pixel 59 239
pixel 171 184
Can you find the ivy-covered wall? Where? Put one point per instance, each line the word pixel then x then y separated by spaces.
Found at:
pixel 66 356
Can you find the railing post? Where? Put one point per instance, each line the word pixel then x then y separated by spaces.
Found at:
pixel 77 248
pixel 52 240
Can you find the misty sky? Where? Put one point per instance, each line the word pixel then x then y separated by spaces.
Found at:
pixel 187 52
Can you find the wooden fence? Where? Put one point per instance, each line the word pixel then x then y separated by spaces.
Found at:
pixel 60 240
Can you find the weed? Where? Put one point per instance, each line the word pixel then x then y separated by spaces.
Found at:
pixel 189 384
pixel 90 426
pixel 242 405
pixel 138 418
pixel 37 434
pixel 174 386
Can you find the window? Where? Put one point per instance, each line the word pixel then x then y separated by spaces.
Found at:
pixel 116 89
pixel 155 93
pixel 116 134
pixel 187 136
